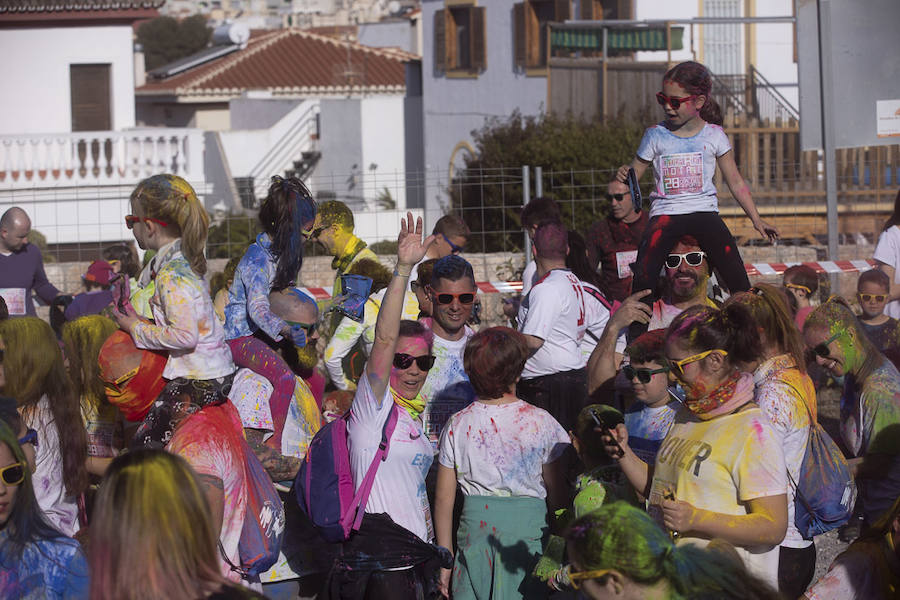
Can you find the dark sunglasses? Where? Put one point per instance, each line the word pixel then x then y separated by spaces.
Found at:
pixel 13 474
pixel 616 197
pixel 466 298
pixel 130 220
pixel 310 328
pixel 822 349
pixel 675 103
pixel 454 249
pixel 1 356
pixel 405 361
pixel 693 259
pixel 875 297
pixel 643 375
pixel 30 437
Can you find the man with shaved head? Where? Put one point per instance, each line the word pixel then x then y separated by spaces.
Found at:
pixel 21 265
pixel 552 317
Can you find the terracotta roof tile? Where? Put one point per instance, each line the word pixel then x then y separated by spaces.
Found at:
pixel 32 6
pixel 291 61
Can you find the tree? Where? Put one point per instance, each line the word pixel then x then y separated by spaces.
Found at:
pixel 577 157
pixel 165 39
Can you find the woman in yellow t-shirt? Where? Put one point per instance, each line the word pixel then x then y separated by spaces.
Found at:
pixel 720 471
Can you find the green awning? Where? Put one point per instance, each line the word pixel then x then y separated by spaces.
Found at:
pixel 637 38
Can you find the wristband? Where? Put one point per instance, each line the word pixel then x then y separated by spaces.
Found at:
pixel 402 273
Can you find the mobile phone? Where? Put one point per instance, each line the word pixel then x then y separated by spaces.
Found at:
pixel 677 393
pixel 635 190
pixel 601 422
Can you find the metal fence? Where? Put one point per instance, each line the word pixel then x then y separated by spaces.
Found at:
pixel 789 194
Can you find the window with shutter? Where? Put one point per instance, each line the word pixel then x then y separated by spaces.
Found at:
pixel 460 38
pixel 519 34
pixel 531 33
pixel 440 42
pixel 90 97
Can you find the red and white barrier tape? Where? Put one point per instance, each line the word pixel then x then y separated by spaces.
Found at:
pixel 753 270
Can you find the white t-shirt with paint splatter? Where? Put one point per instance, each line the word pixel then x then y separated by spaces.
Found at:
pixel 683 169
pixel 500 449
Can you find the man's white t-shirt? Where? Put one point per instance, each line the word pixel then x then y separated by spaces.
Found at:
pixel 595 320
pixel 500 449
pixel 683 169
pixel 888 251
pixel 447 389
pixel 719 465
pixel 529 276
pixel 399 488
pixel 554 311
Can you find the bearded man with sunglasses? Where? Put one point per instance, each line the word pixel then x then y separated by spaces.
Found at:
pixel 447 388
pixel 613 242
pixel 552 317
pixel 686 278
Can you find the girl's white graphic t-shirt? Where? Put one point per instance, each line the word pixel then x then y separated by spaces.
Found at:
pixel 683 169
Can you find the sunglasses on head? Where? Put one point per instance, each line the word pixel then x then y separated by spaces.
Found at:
pixel 871 297
pixel 405 361
pixel 797 286
pixel 675 103
pixel 13 474
pixel 822 349
pixel 616 197
pixel 678 365
pixel 576 577
pixel 643 375
pixel 130 220
pixel 693 259
pixel 454 249
pixel 464 298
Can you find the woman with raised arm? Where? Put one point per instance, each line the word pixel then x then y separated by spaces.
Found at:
pixel 387 557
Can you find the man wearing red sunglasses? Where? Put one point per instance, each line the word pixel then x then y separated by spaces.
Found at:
pixel 447 388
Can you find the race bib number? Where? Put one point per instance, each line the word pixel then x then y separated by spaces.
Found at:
pixel 15 300
pixel 623 262
pixel 682 173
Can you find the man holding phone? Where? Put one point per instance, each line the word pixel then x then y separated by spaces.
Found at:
pixel 613 242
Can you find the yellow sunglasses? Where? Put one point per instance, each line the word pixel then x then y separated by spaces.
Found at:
pixel 678 365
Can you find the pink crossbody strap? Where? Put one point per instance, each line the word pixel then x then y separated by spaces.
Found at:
pixel 357 508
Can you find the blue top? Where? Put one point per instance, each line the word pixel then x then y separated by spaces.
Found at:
pixel 648 427
pixel 48 569
pixel 88 303
pixel 248 298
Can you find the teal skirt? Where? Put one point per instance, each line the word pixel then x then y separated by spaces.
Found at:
pixel 499 542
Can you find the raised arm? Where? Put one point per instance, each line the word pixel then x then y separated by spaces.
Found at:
pixel 410 250
pixel 603 362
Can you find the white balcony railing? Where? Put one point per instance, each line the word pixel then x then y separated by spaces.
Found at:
pixel 99 157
